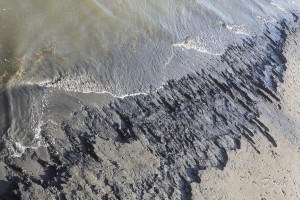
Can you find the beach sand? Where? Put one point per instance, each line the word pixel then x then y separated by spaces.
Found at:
pixel 274 173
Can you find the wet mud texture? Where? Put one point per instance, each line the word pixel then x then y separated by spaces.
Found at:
pixel 156 146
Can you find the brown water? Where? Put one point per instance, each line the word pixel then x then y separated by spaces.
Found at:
pixel 120 46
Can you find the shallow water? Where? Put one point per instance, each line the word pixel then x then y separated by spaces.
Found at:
pixel 117 46
pixel 120 47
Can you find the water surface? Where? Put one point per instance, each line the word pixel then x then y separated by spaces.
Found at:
pixel 120 46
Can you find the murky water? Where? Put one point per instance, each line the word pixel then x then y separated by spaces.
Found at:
pixel 118 46
pixel 121 46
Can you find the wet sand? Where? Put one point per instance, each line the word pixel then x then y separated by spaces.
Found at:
pixel 274 173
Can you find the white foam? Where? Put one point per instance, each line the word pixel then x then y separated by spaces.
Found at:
pixel 19 149
pixel 125 95
pixel 83 84
pixel 73 83
pixel 20 128
pixel 195 44
pixel 278 7
pixel 237 29
pixel 262 18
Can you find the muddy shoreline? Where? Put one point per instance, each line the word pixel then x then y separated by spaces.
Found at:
pixel 159 145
